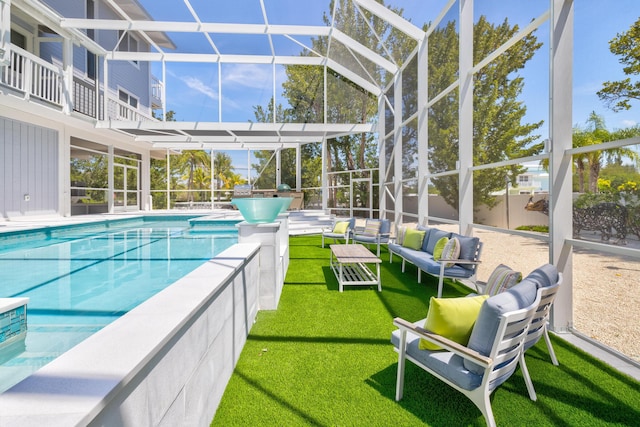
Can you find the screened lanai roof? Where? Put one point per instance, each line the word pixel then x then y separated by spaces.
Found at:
pixel 262 36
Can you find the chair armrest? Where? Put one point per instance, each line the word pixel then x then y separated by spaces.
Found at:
pixel 444 342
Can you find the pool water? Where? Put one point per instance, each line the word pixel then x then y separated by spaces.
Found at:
pixel 79 279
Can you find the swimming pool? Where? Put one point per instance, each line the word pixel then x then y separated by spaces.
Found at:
pixel 81 278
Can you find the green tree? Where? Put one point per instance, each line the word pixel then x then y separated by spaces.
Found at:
pixel 596 133
pixel 188 162
pixel 346 102
pixel 618 94
pixel 222 170
pixel 498 128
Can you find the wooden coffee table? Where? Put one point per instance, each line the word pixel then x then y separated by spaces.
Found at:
pixel 349 264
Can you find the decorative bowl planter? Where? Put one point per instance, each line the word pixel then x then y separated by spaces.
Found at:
pixel 258 210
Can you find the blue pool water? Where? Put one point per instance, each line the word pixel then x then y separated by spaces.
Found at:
pixel 79 279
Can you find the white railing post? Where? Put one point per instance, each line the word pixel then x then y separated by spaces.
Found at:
pixel 67 76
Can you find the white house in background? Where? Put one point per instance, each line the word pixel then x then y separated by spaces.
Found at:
pixel 534 181
pixel 55 83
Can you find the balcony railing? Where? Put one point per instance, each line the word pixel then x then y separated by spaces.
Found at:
pixel 157 92
pixel 119 110
pixel 35 77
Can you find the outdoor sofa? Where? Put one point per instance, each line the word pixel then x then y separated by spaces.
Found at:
pixel 417 246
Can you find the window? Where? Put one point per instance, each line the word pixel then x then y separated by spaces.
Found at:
pixel 524 180
pixel 127 98
pixel 127 43
pixel 18 39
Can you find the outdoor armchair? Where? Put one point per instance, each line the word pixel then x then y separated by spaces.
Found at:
pixel 538 328
pixel 341 229
pixel 376 231
pixel 491 355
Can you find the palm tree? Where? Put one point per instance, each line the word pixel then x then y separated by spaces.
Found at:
pixel 188 162
pixel 222 169
pixel 597 133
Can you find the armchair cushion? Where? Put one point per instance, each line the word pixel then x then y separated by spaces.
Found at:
pixel 501 279
pixel 446 363
pixel 484 331
pixel 452 318
pixel 341 227
pixel 439 248
pixel 372 227
pixel 544 276
pixel 413 239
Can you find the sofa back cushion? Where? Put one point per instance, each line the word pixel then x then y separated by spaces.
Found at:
pixel 434 236
pixel 468 247
pixel 484 331
pixel 427 230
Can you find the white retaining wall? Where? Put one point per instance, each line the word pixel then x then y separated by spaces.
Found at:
pixel 165 363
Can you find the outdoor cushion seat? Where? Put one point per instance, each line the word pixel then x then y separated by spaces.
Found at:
pixel 491 355
pixel 445 363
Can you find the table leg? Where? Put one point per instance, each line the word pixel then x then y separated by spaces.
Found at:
pixel 378 273
pixel 340 278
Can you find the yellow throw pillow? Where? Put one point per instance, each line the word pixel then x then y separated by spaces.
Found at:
pixel 413 238
pixel 439 247
pixel 452 318
pixel 341 227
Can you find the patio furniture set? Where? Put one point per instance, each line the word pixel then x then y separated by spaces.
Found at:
pixel 473 343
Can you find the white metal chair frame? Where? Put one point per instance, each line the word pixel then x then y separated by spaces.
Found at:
pixel 505 353
pixel 538 328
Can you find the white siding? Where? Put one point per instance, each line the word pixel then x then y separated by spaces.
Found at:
pixel 29 163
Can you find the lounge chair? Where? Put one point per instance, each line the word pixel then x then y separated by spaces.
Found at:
pixel 376 231
pixel 341 229
pixel 491 355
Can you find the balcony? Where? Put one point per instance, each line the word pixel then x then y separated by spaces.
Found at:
pixel 33 76
pixel 39 80
pixel 157 93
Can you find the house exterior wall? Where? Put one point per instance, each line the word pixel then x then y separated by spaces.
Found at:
pixel 133 78
pixel 29 165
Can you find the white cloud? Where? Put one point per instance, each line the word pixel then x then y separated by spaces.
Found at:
pixel 248 75
pixel 629 123
pixel 199 86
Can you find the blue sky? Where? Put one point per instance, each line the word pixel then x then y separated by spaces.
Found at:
pixel 192 89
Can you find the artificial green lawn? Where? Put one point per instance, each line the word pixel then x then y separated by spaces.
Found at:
pixel 324 358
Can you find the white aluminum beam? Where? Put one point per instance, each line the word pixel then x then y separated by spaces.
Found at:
pixel 239 126
pixel 194 27
pixel 364 51
pixel 387 15
pixel 344 71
